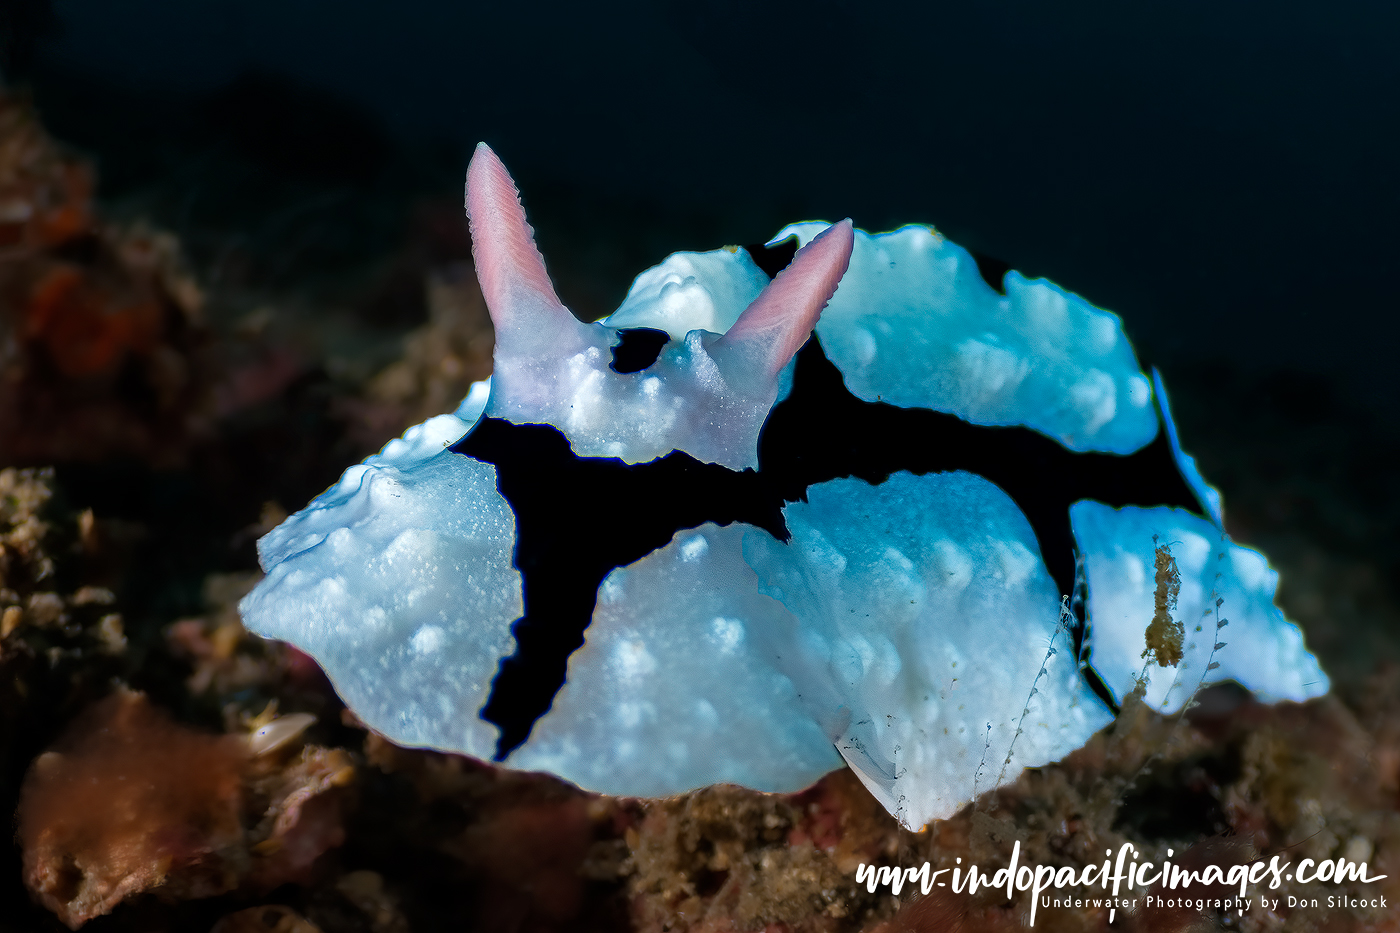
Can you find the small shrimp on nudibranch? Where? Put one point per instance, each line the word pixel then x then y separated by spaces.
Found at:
pixel 759 553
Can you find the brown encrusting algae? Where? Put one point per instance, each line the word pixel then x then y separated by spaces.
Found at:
pixel 129 802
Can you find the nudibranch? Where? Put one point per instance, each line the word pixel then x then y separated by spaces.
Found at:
pixel 693 544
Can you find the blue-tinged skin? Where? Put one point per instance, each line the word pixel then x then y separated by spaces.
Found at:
pixel 668 646
pixel 1206 494
pixel 399 583
pixel 931 643
pixel 885 588
pixel 913 324
pixel 1258 648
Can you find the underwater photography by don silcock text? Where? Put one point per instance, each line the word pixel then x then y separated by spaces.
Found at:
pixel 390 542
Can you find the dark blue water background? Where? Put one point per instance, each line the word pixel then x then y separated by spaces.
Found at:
pixel 1223 176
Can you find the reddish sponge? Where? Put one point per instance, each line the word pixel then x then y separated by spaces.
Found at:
pixel 127 801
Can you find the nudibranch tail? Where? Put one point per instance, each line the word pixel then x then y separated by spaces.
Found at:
pixel 778 322
pixel 517 289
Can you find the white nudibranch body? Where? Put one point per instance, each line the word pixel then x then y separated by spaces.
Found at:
pixel 909 628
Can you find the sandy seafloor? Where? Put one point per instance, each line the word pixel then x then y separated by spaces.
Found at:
pixel 166 399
